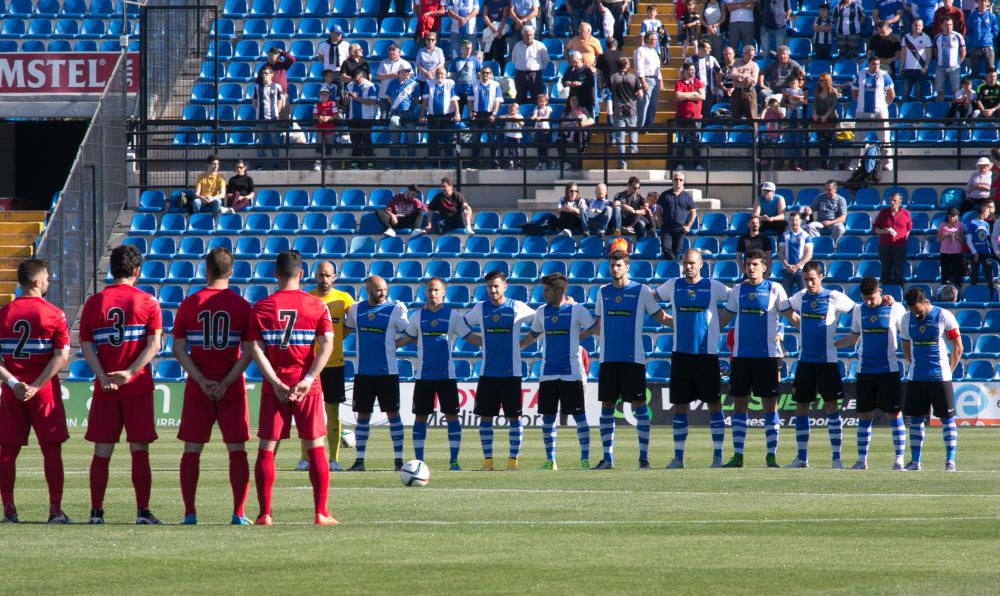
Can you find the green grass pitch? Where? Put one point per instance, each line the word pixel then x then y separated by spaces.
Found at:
pixel 697 531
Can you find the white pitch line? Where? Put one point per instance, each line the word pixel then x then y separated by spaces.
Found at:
pixel 645 493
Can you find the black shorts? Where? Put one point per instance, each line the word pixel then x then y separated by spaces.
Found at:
pixel 823 377
pixel 424 391
pixel 879 390
pixel 694 377
pixel 369 387
pixel 492 393
pixel 332 380
pixel 921 396
pixel 625 380
pixel 761 376
pixel 556 395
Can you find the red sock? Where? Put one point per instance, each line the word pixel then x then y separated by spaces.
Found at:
pixel 98 480
pixel 264 477
pixel 142 478
pixel 239 479
pixel 52 455
pixel 8 471
pixel 189 479
pixel 319 476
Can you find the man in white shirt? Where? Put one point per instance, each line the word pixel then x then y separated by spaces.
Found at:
pixel 334 51
pixel 440 112
pixel 914 57
pixel 873 90
pixel 949 49
pixel 647 68
pixel 463 21
pixel 530 57
pixel 388 71
pixel 741 29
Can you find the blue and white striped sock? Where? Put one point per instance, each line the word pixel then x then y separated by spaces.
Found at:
pixel 486 437
pixel 898 436
pixel 835 424
pixel 361 436
pixel 515 435
pixel 583 435
pixel 419 436
pixel 950 432
pixel 608 433
pixel 717 424
pixel 771 425
pixel 864 438
pixel 396 434
pixel 549 436
pixel 739 432
pixel 680 435
pixel 642 430
pixel 802 437
pixel 454 438
pixel 916 437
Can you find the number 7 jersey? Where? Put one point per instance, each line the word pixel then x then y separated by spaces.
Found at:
pixel 288 322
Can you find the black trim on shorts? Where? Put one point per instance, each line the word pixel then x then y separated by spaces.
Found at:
pixel 694 377
pixel 558 395
pixel 817 377
pixel 424 391
pixel 368 388
pixel 621 380
pixel 761 376
pixel 492 393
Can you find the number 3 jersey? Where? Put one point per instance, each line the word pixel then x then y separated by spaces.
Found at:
pixel 31 329
pixel 118 320
pixel 213 322
pixel 288 322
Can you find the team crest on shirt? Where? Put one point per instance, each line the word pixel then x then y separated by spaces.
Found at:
pixel 922 328
pixel 691 294
pixel 752 295
pixel 812 304
pixel 555 318
pixel 371 316
pixel 618 299
pixel 495 318
pixel 434 322
pixel 873 318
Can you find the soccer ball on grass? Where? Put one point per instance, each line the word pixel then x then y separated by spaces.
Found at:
pixel 415 473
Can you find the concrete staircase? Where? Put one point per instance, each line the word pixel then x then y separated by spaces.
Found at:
pixel 18 232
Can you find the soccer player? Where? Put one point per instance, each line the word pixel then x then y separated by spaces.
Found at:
pixel 924 329
pixel 434 329
pixel 212 323
pixel 332 377
pixel 283 328
pixel 756 365
pixel 621 306
pixel 562 325
pixel 378 324
pixel 120 330
pixel 499 320
pixel 695 357
pixel 876 323
pixel 817 310
pixel 34 341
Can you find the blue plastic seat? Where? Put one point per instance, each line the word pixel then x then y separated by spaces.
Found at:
pixel 533 247
pixel 801 47
pixel 858 223
pixel 255 29
pixel 512 222
pixel 979 370
pixel 190 248
pixel 987 346
pixel 392 27
pixel 501 266
pixel 486 222
pixel 306 246
pixel 658 371
pixel 181 272
pixel 344 8
pixel 714 224
pixel 840 271
pixel 263 272
pixel 40 29
pixel 80 371
pixel 274 246
pixel 248 247
pixel 726 271
pixel 170 224
pixel 65 28
pixel 969 320
pixel 302 49
pixel 352 199
pixel 364 27
pixel 926 271
pixel 866 198
pixel 390 247
pixel 524 272
pixel 505 246
pixel 202 224
pixel 309 28
pixel 162 247
pixel 379 199
pixel 362 247
pixel 170 296
pixel 562 247
pixel 409 271
pixel 439 269
pixel 317 8
pixel 707 245
pixel 285 223
pixel 257 224
pixel 977 297
pixel 314 223
pixel 476 247
pixel 447 246
pixel 333 247
pixel 467 272
pixel 153 272
pixel 384 269
pixel 343 223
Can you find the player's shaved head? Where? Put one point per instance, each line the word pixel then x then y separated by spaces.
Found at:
pixel 288 265
pixel 434 289
pixel 125 261
pixel 326 271
pixel 378 290
pixel 218 263
pixel 693 253
pixel 28 271
pixel 691 265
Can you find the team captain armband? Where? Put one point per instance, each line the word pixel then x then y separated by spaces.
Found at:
pixel 952 333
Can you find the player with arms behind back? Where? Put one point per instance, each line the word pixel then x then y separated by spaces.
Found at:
pixel 120 334
pixel 212 323
pixel 283 328
pixel 34 341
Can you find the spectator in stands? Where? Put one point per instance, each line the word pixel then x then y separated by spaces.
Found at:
pixel 629 210
pixel 708 71
pixel 795 100
pixel 573 133
pixel 848 17
pixel 542 136
pixel 794 251
pixel 653 210
pixel 530 57
pixel 626 90
pixel 325 114
pixel 579 78
pixel 951 236
pixel 946 10
pixel 388 71
pixel 494 14
pixel 916 51
pixel 873 92
pixel 753 239
pixel 404 211
pixel 688 25
pixel 885 45
pixel 829 211
pixel 239 189
pixel 463 22
pixel 770 209
pixel 599 212
pixel 988 95
pixel 268 102
pixel 724 90
pixel 354 64
pixel 440 111
pixel 279 61
pixel 362 96
pixel 893 226
pixel 677 216
pixel 824 116
pixel 745 76
pixel 774 78
pixel 977 189
pixel 404 111
pixel 773 24
pixel 585 43
pixel 949 49
pixel 924 10
pixel 981 28
pixel 617 10
pixel 572 211
pixel 977 238
pixel 210 189
pixel 741 19
pixel 402 8
pixel 964 104
pixel 332 52
pixel 889 12
pixel 713 18
pixel 428 14
pixel 580 12
pixel 429 59
pixel 995 187
pixel 463 69
pixel 522 14
pixel 822 37
pixel 647 68
pixel 512 123
pixel 449 210
pixel 651 24
pixel 607 63
pixel 688 93
pixel 485 107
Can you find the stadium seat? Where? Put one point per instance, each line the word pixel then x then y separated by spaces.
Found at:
pixel 714 224
pixel 646 248
pixel 342 223
pixel 866 198
pixel 392 27
pixel 181 272
pixel 333 247
pixel 467 272
pixel 726 271
pixel 162 247
pixel 858 223
pixel 379 199
pixel 447 246
pixel 533 247
pixel 849 247
pixel 582 272
pixel 641 271
pixel 977 296
pixel 323 199
pixel 255 29
pixel 969 320
pixel 987 346
pixel 79 371
pixel 409 271
pixel 926 272
pixel 306 246
pixel 505 246
pixel 152 272
pixel 352 199
pixel 979 370
pixel 361 247
pixel 840 271
pixel 190 248
pixel 285 223
pixel 274 246
pixel 168 371
pixel 389 247
pixel 551 267
pixel 501 266
pixel 524 272
pixel 384 269
pixel 867 268
pixel 486 222
pixel 202 224
pixel 248 247
pixel 512 222
pixel 314 223
pixel 257 224
pixel 439 269
pixel 562 247
pixel 666 270
pixel 707 245
pixel 658 371
pixel 590 247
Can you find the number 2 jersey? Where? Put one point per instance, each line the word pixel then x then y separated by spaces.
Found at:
pixel 118 320
pixel 214 323
pixel 31 329
pixel 288 322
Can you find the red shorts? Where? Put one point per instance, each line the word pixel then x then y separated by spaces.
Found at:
pixel 275 421
pixel 43 412
pixel 200 414
pixel 107 417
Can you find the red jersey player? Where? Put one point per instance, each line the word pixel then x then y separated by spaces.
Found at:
pixel 120 334
pixel 283 327
pixel 34 341
pixel 212 323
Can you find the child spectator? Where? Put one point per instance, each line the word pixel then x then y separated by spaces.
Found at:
pixel 651 24
pixel 772 136
pixel 513 124
pixel 688 25
pixel 325 113
pixel 543 136
pixel 795 98
pixel 822 33
pixel 964 104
